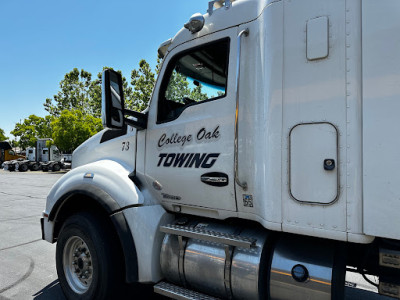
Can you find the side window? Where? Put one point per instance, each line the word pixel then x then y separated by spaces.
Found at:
pixel 11 152
pixel 192 77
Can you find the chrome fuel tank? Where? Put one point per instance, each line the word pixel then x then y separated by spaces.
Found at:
pixel 215 268
pixel 304 268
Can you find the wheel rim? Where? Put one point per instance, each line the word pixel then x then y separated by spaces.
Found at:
pixel 77 263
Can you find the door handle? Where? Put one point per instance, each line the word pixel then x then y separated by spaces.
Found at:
pixel 215 179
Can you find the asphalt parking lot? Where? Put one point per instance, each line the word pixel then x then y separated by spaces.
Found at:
pixel 27 263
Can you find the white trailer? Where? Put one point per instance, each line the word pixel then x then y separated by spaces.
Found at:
pixel 272 168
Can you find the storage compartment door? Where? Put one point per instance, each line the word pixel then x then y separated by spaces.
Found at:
pixel 314 163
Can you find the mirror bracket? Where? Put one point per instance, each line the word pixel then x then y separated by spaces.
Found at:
pixel 141 119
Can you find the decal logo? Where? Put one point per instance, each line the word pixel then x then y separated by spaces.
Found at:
pixel 187 160
pixel 170 197
pixel 203 135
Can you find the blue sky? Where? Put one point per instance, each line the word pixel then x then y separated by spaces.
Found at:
pixel 42 40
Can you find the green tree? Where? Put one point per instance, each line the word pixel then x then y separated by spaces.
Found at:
pixel 72 128
pixel 3 135
pixel 143 81
pixel 179 88
pixel 32 128
pixel 74 93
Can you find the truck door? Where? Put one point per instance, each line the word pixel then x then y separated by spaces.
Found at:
pixel 190 134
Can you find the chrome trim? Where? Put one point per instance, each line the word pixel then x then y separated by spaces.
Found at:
pixel 209 235
pixel 243 185
pixel 317 257
pixel 214 179
pixel 176 292
pixel 196 23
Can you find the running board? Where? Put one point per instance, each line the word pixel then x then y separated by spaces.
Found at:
pixel 179 293
pixel 210 236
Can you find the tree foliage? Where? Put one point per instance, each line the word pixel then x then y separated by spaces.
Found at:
pixel 75 111
pixel 32 128
pixel 143 81
pixel 72 128
pixel 179 88
pixel 2 135
pixel 73 94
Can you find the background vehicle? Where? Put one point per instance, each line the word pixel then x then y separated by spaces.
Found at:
pixel 265 166
pixel 7 153
pixel 40 157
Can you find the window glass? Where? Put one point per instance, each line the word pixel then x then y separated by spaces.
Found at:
pixel 195 76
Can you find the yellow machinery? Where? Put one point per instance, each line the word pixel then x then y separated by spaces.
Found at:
pixel 7 153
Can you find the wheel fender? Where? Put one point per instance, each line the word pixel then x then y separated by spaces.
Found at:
pixel 107 183
pixel 105 179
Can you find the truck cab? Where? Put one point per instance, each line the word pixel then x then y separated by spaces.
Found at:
pixel 245 177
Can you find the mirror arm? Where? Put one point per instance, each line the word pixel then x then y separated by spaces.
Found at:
pixel 141 119
pixel 135 114
pixel 138 125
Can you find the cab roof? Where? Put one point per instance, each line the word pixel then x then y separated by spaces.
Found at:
pixel 239 12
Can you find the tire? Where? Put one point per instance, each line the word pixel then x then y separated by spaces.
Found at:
pixel 56 167
pixel 35 167
pixel 89 259
pixel 23 168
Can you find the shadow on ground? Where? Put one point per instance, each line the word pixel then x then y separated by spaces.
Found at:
pixel 50 292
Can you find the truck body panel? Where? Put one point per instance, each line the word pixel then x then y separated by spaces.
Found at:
pixel 381 91
pixel 184 149
pixel 97 174
pixel 314 92
pixel 144 223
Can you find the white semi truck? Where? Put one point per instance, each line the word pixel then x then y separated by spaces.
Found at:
pixel 40 157
pixel 265 166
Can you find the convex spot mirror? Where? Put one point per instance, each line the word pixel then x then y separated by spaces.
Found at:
pixel 112 100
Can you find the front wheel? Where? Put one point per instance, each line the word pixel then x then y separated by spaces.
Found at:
pixel 89 264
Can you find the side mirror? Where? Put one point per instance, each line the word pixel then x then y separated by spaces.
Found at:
pixel 112 100
pixel 113 106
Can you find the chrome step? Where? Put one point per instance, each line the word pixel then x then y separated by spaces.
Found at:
pixel 180 293
pixel 210 236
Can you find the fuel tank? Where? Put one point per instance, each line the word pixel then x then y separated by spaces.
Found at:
pixel 215 268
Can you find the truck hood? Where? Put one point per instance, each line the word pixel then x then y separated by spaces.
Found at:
pixel 115 145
